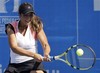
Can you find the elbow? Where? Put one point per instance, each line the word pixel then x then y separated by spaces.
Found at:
pixel 13 48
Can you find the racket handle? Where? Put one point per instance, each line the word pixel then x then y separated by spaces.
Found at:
pixel 50 57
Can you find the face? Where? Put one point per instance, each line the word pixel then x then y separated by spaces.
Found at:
pixel 26 18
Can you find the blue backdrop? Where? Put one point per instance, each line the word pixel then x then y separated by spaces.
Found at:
pixel 66 22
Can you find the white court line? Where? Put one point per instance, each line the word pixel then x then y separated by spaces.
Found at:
pixel 77 26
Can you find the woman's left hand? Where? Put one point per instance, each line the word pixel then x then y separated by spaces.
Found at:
pixel 46 57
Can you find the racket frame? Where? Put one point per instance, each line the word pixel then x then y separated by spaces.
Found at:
pixel 58 57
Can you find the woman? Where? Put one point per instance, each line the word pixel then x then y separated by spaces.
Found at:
pixel 22 36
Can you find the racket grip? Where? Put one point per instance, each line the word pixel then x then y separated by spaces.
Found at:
pixel 50 57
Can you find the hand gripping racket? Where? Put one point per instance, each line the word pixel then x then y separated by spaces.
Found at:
pixel 71 58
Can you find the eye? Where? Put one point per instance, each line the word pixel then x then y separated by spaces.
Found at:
pixel 28 15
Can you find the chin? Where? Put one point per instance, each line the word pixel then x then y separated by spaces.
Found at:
pixel 27 22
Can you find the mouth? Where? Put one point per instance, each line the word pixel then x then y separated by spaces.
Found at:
pixel 27 21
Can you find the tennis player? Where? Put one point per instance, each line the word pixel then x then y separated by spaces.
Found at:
pixel 22 36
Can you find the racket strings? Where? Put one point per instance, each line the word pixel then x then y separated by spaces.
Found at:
pixel 85 61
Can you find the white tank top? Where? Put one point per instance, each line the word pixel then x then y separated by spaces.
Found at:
pixel 27 42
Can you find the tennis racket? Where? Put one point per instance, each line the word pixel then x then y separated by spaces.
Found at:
pixel 70 57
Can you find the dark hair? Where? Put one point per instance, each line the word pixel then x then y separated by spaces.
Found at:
pixel 25 8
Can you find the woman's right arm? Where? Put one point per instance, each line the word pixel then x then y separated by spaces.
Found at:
pixel 15 48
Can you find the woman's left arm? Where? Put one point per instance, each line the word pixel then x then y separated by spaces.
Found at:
pixel 44 42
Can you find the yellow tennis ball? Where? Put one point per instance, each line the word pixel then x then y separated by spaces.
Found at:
pixel 79 52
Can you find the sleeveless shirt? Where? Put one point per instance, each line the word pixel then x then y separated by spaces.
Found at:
pixel 27 42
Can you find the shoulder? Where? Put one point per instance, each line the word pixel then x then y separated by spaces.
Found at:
pixel 14 23
pixel 11 26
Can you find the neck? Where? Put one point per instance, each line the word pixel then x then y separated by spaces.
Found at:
pixel 21 26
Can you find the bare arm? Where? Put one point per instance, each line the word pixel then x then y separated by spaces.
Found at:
pixel 43 39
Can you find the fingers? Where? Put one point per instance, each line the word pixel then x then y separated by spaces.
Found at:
pixel 38 57
pixel 46 58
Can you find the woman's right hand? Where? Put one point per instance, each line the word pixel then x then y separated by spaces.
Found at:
pixel 38 57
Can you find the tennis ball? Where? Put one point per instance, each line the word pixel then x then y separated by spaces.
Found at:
pixel 79 52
